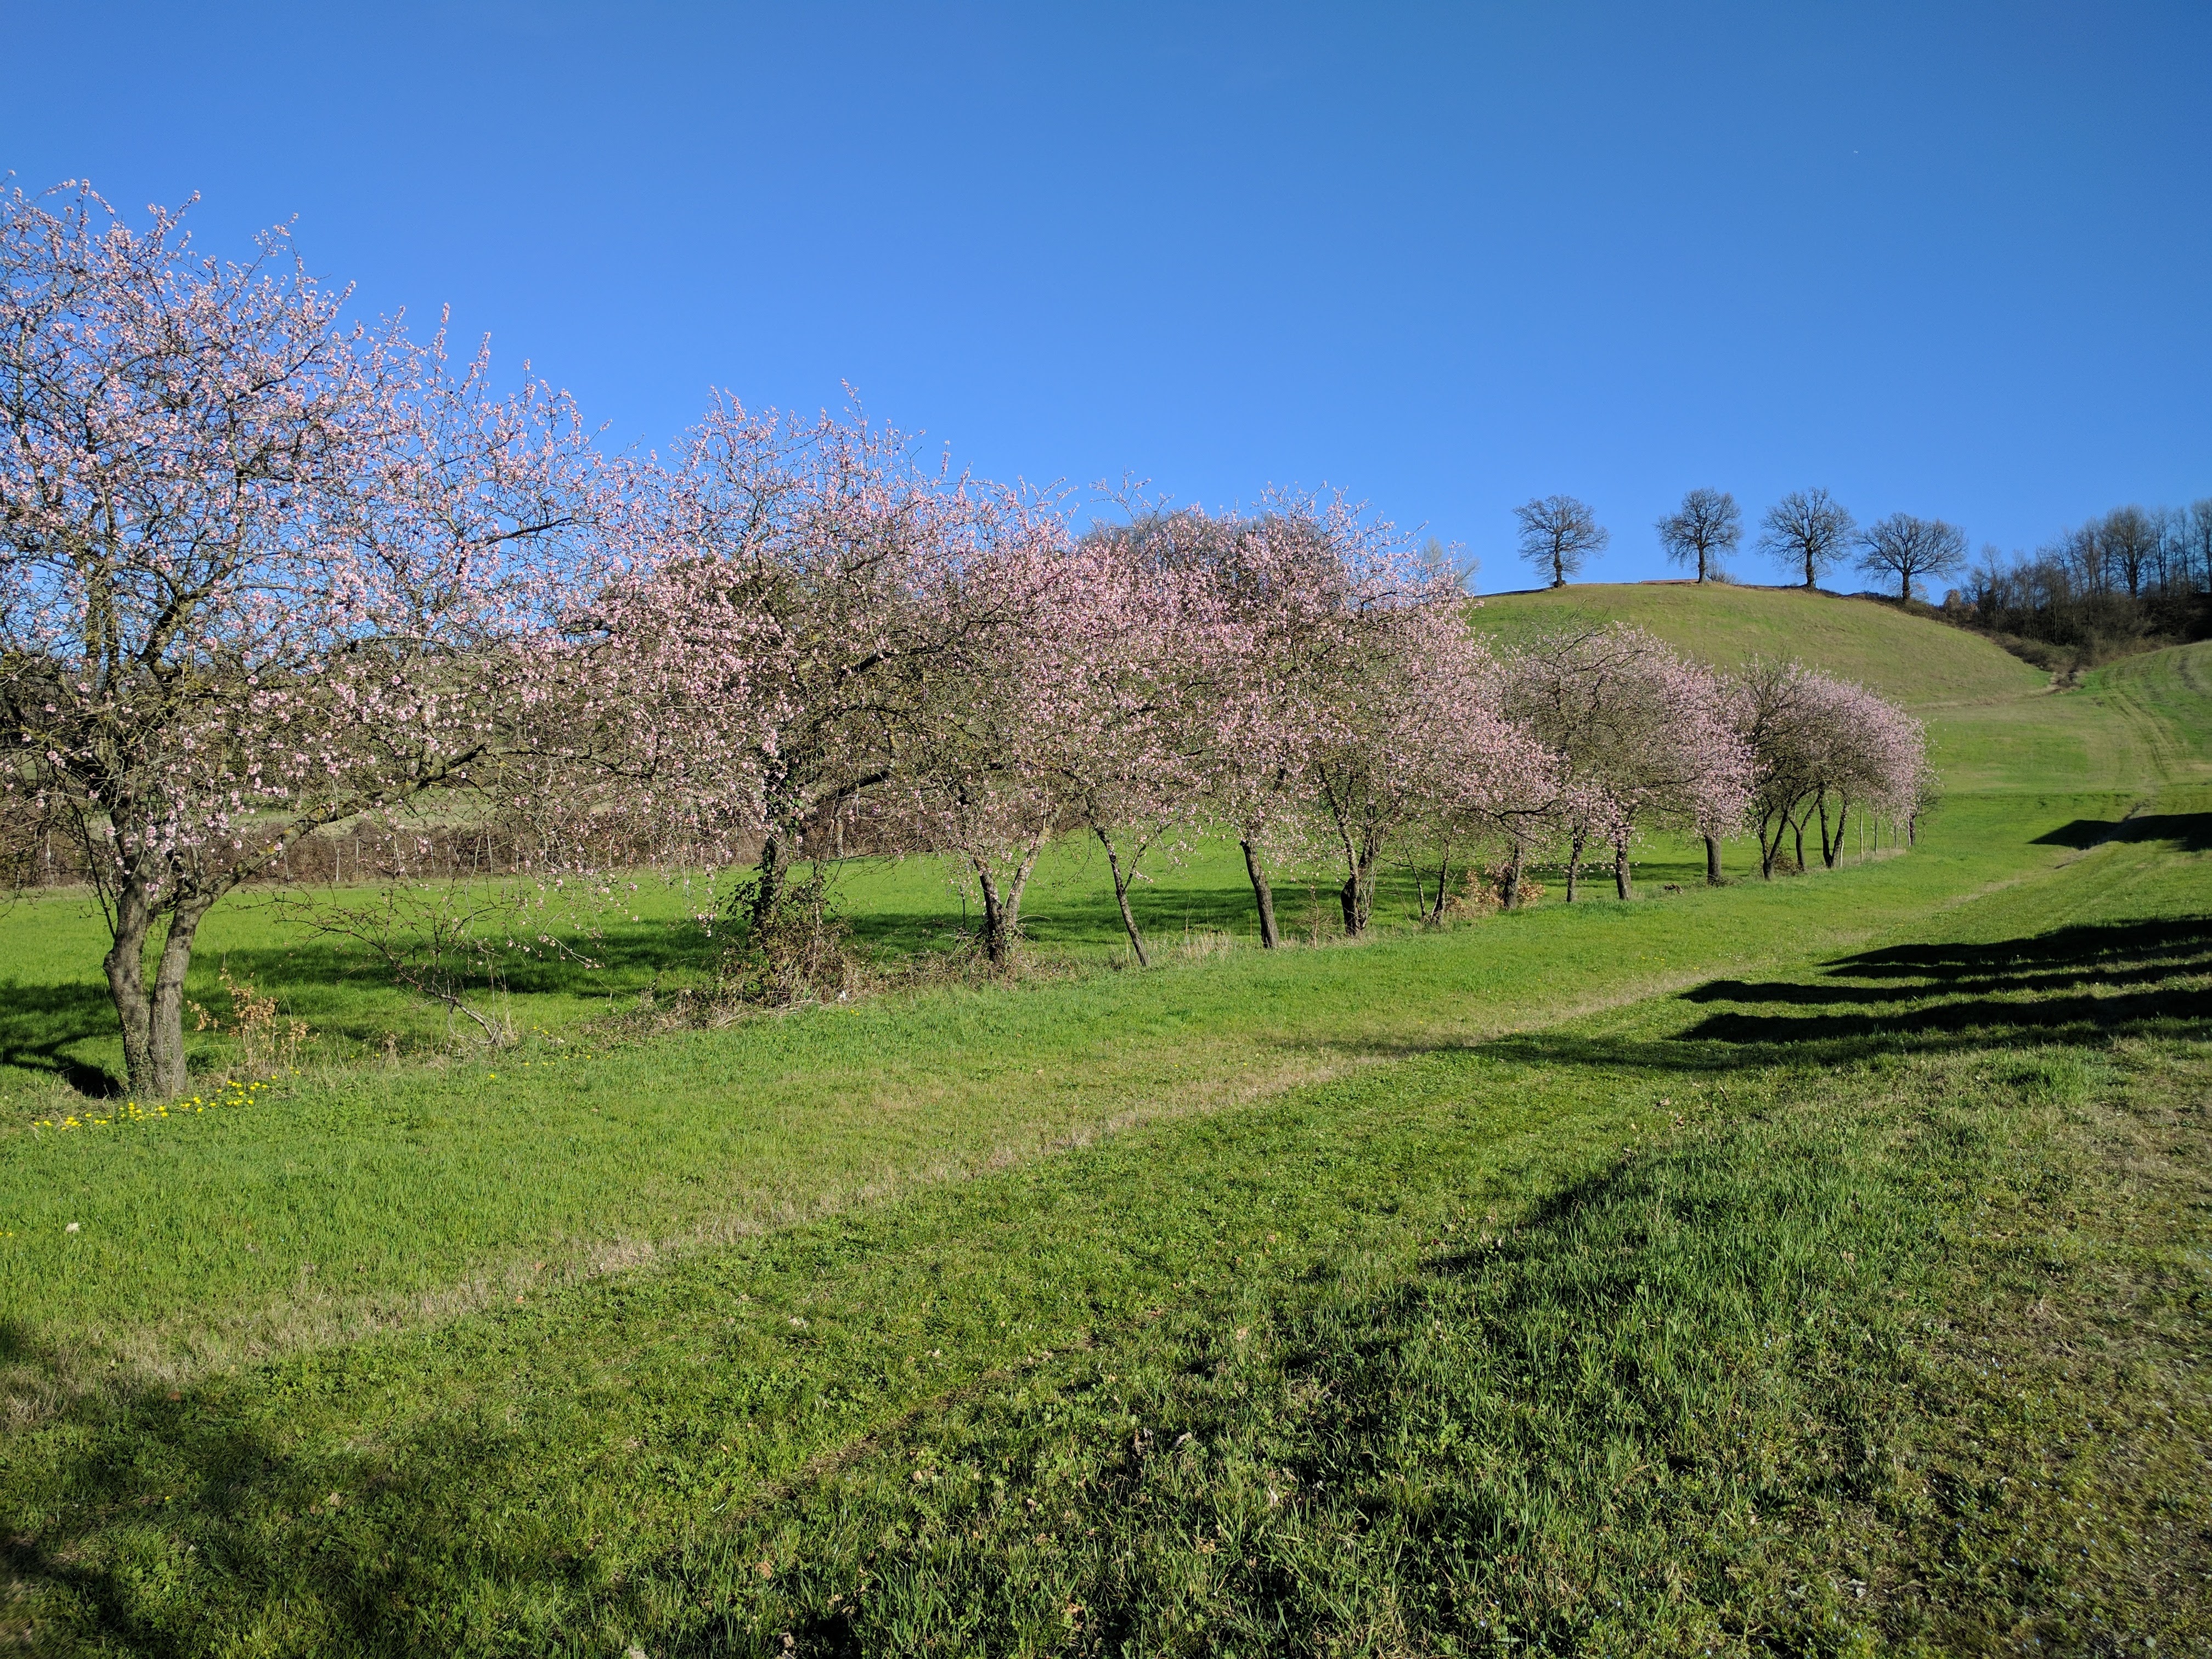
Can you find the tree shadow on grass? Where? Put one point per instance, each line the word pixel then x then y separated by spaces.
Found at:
pixel 160 1503
pixel 2186 832
pixel 39 1024
pixel 2084 985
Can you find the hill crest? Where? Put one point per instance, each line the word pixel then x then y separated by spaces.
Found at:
pixel 1916 662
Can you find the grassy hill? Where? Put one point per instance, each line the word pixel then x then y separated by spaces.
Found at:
pixel 2169 691
pixel 1921 664
pixel 1823 1258
pixel 1993 721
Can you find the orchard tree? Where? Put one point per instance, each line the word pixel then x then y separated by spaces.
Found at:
pixel 1420 746
pixel 1820 747
pixel 986 768
pixel 1305 583
pixel 1808 531
pixel 261 571
pixel 1706 525
pixel 1143 646
pixel 1646 738
pixel 1559 536
pixel 788 604
pixel 1907 548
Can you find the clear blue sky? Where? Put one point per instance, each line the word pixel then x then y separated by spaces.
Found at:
pixel 1955 260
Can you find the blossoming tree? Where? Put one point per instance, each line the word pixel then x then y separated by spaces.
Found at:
pixel 1821 748
pixel 1645 737
pixel 259 572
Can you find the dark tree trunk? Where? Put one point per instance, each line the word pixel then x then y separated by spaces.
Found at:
pixel 1002 908
pixel 1357 896
pixel 127 983
pixel 1263 896
pixel 1510 898
pixel 1574 865
pixel 1622 885
pixel 1712 861
pixel 1833 848
pixel 1797 829
pixel 775 865
pixel 1121 896
pixel 153 1019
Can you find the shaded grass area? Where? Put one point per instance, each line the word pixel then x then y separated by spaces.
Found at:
pixel 1888 1363
pixel 1640 1333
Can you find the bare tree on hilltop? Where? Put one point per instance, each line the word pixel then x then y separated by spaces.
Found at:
pixel 1807 530
pixel 1558 534
pixel 1905 547
pixel 1707 525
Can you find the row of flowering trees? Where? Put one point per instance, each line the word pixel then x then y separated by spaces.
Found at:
pixel 263 573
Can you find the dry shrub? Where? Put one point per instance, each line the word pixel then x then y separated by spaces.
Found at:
pixel 1198 943
pixel 1485 890
pixel 266 1039
pixel 796 952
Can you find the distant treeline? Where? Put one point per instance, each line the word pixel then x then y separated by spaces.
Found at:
pixel 2134 579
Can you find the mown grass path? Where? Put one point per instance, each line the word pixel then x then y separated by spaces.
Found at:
pixel 331 1207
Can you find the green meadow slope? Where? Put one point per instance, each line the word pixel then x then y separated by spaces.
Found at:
pixel 1816 1263
pixel 1993 720
pixel 1909 658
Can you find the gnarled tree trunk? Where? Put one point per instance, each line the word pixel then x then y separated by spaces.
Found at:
pixel 1622 885
pixel 1712 861
pixel 1832 846
pixel 1263 896
pixel 1002 906
pixel 1357 896
pixel 153 1018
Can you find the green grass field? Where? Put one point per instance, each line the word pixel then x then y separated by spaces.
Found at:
pixel 1818 1267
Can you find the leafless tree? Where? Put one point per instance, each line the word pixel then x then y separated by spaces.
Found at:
pixel 1905 547
pixel 1707 525
pixel 1807 530
pixel 1558 534
pixel 2131 545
